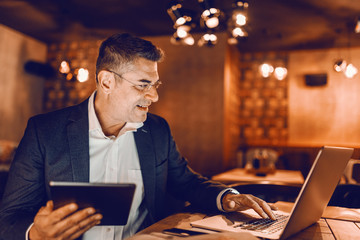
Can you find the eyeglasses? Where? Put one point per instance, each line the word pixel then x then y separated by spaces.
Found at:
pixel 145 87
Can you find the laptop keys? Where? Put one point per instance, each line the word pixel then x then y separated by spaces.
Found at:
pixel 265 225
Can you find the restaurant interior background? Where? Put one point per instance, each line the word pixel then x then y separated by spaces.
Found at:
pixel 214 97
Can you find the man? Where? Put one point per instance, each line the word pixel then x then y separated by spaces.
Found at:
pixel 110 137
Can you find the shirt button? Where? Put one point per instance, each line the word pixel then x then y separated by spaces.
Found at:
pixel 108 229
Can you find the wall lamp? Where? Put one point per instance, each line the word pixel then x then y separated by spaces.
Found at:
pixel 266 70
pixel 79 74
pixel 349 70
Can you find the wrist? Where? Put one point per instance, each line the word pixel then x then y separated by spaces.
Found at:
pixel 225 195
pixel 33 234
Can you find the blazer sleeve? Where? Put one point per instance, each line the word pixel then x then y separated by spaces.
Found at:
pixel 25 191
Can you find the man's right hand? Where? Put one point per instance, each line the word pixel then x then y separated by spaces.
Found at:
pixel 63 223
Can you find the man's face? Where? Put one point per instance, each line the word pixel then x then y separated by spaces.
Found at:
pixel 127 102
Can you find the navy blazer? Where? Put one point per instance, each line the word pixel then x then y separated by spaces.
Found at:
pixel 55 147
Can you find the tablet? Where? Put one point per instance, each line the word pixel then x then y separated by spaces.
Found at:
pixel 113 201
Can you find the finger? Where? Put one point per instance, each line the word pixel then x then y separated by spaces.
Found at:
pixel 273 207
pixel 265 208
pixel 255 205
pixel 63 212
pixel 74 219
pixel 78 229
pixel 45 210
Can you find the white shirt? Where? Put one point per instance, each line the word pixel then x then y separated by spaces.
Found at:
pixel 115 159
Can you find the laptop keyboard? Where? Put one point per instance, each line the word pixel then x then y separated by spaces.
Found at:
pixel 265 225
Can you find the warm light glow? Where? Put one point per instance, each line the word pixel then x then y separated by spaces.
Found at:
pixel 212 22
pixel 238 32
pixel 64 67
pixel 83 75
pixel 214 10
pixel 180 21
pixel 340 65
pixel 189 40
pixel 181 32
pixel 350 71
pixel 280 73
pixel 69 76
pixel 357 27
pixel 232 41
pixel 242 4
pixel 240 19
pixel 266 70
pixel 206 13
pixel 209 39
pixel 210 16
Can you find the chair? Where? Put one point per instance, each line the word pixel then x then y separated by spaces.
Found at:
pixel 352 171
pixel 270 192
pixel 295 161
pixel 346 195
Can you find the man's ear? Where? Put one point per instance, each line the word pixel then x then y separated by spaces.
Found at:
pixel 106 81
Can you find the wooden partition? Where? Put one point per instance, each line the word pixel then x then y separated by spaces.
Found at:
pixel 21 93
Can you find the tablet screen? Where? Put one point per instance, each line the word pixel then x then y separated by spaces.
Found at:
pixel 113 201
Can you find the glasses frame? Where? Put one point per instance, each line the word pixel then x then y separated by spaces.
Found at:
pixel 145 87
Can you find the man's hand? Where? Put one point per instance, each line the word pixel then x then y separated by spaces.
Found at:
pixel 63 223
pixel 240 202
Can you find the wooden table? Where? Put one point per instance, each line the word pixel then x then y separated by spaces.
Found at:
pixel 325 228
pixel 240 175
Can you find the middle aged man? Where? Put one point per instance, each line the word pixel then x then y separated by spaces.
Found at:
pixel 108 138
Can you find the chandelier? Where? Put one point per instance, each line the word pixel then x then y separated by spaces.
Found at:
pixel 210 18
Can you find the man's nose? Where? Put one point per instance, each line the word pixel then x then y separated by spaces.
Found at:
pixel 152 94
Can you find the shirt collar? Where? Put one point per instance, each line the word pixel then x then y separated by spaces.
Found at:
pixel 94 123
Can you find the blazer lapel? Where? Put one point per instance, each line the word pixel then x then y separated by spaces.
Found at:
pixel 78 137
pixel 146 154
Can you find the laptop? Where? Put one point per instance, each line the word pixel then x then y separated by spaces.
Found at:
pixel 312 200
pixel 113 201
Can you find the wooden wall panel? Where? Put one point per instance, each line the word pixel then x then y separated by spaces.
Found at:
pixel 232 107
pixel 192 100
pixel 21 93
pixel 323 115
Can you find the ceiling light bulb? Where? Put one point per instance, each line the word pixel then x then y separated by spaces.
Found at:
pixel 209 39
pixel 182 31
pixel 189 40
pixel 238 32
pixel 206 13
pixel 350 71
pixel 212 22
pixel 213 10
pixel 180 21
pixel 240 19
pixel 280 73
